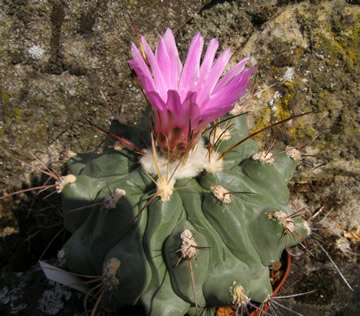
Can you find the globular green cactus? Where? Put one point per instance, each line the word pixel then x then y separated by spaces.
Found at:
pixel 231 225
pixel 184 217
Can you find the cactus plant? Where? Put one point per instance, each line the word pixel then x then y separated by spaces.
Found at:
pixel 183 223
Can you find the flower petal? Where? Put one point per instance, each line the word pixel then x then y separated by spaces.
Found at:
pixel 187 97
pixel 190 111
pixel 173 54
pixel 213 77
pixel 164 63
pixel 185 112
pixel 208 59
pixel 139 66
pixel 233 72
pixel 190 72
pixel 161 86
pixel 175 114
pixel 230 93
pixel 213 114
pixel 156 101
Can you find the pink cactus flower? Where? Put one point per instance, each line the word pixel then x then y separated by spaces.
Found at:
pixel 187 96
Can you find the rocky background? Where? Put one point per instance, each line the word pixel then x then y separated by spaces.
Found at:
pixel 65 60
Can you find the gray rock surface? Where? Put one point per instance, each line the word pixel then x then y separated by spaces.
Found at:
pixel 56 57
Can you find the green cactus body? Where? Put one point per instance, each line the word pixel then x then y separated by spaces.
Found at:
pixel 238 234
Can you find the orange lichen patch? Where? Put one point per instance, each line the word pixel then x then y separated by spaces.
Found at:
pixel 225 311
pixel 262 120
pixel 353 235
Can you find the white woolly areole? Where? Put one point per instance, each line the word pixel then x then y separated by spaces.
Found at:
pixel 221 193
pixel 264 156
pixel 293 153
pixel 165 189
pixel 109 278
pixel 61 257
pixel 236 110
pixel 112 199
pixel 189 246
pixel 118 146
pixel 238 296
pixel 307 227
pixel 70 154
pixel 196 161
pixel 220 134
pixel 214 164
pixel 60 184
pixel 285 220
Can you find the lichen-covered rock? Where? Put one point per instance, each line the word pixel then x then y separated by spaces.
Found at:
pixel 55 56
pixel 312 43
